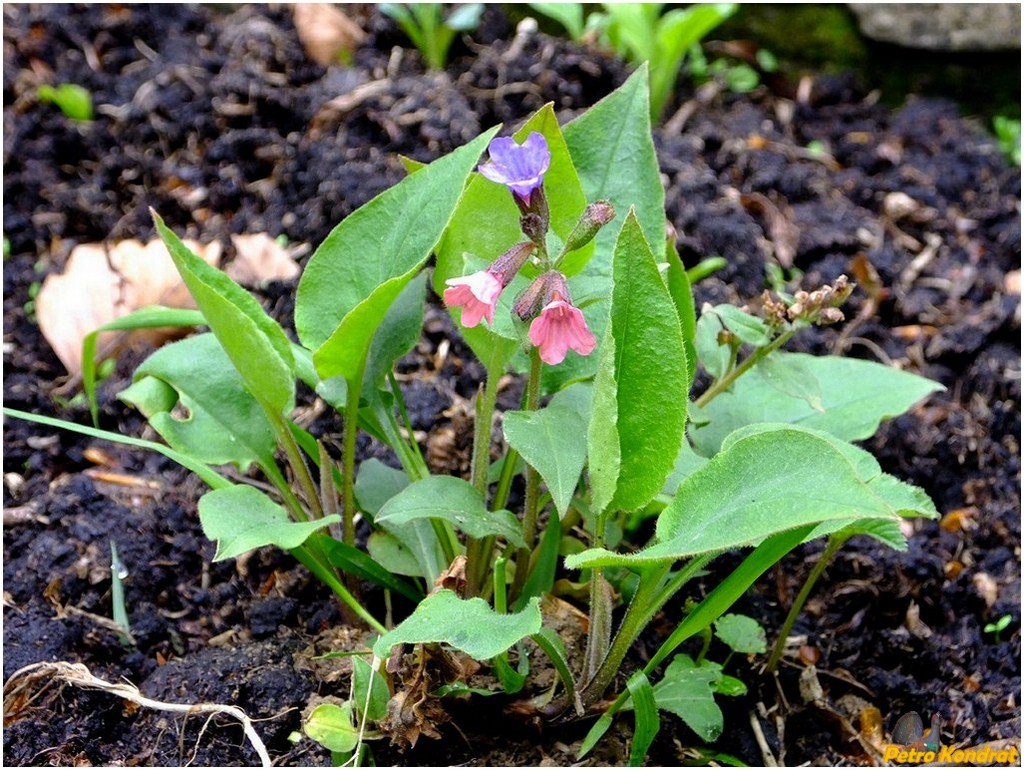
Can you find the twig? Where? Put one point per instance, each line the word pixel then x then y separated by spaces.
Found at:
pixel 766 752
pixel 79 675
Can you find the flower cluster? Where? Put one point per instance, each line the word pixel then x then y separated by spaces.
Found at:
pixel 556 325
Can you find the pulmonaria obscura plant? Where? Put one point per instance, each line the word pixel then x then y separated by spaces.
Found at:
pixel 553 256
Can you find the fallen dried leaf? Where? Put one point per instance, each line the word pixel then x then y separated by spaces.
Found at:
pixel 100 284
pixel 326 32
pixel 986 587
pixel 260 258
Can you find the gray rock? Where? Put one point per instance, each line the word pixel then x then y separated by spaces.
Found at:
pixel 942 26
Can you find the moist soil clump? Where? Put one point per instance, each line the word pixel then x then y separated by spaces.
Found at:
pixel 223 124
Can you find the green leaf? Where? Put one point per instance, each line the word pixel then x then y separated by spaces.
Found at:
pixel 730 686
pixel 569 15
pixel 350 559
pixel 369 691
pixel 366 261
pixel 681 291
pixel 453 500
pixel 746 327
pixel 397 334
pixel 856 396
pixel 552 441
pixel 333 727
pixel 678 31
pixel 777 479
pixel 687 463
pixel 544 566
pixel 223 424
pixel 469 625
pixel 645 715
pixel 649 375
pixel 144 318
pixel 71 99
pixel 465 17
pixel 549 641
pixel 741 633
pixel 376 483
pixel 792 377
pixel 201 469
pixel 256 345
pixel 610 137
pixel 406 549
pixel 712 355
pixel 685 691
pixel 243 518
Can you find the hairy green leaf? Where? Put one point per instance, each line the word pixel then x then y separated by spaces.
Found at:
pixel 450 499
pixel 243 518
pixel 649 375
pixel 775 479
pixel 366 261
pixel 469 625
pixel 552 441
pixel 855 396
pixel 255 343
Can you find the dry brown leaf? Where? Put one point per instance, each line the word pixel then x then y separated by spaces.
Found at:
pixel 100 284
pixel 260 258
pixel 326 32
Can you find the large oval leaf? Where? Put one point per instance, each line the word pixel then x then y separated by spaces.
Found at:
pixel 257 346
pixel 469 625
pixel 243 518
pixel 552 441
pixel 453 500
pixel 776 478
pixel 852 398
pixel 224 422
pixel 648 375
pixel 356 273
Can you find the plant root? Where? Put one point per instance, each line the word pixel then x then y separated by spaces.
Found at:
pixel 79 675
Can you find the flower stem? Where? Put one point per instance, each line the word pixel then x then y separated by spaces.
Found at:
pixel 532 483
pixel 299 468
pixel 348 458
pixel 726 382
pixel 478 550
pixel 835 542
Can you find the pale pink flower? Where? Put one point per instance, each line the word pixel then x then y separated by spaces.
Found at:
pixel 560 326
pixel 477 294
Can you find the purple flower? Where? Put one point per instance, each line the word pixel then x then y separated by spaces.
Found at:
pixel 520 167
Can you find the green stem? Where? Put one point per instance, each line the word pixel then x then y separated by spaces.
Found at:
pixel 508 472
pixel 348 458
pixel 327 575
pixel 726 382
pixel 638 614
pixel 411 447
pixel 530 511
pixel 478 550
pixel 299 468
pixel 835 542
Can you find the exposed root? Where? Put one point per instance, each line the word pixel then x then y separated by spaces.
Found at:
pixel 79 675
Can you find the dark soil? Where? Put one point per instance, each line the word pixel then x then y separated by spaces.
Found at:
pixel 216 121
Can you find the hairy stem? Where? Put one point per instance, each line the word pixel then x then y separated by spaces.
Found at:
pixel 835 542
pixel 348 458
pixel 532 483
pixel 299 468
pixel 726 382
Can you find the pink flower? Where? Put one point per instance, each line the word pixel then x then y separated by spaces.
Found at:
pixel 560 326
pixel 477 294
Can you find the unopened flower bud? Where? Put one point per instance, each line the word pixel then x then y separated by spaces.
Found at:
pixel 831 315
pixel 595 216
pixel 533 227
pixel 505 267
